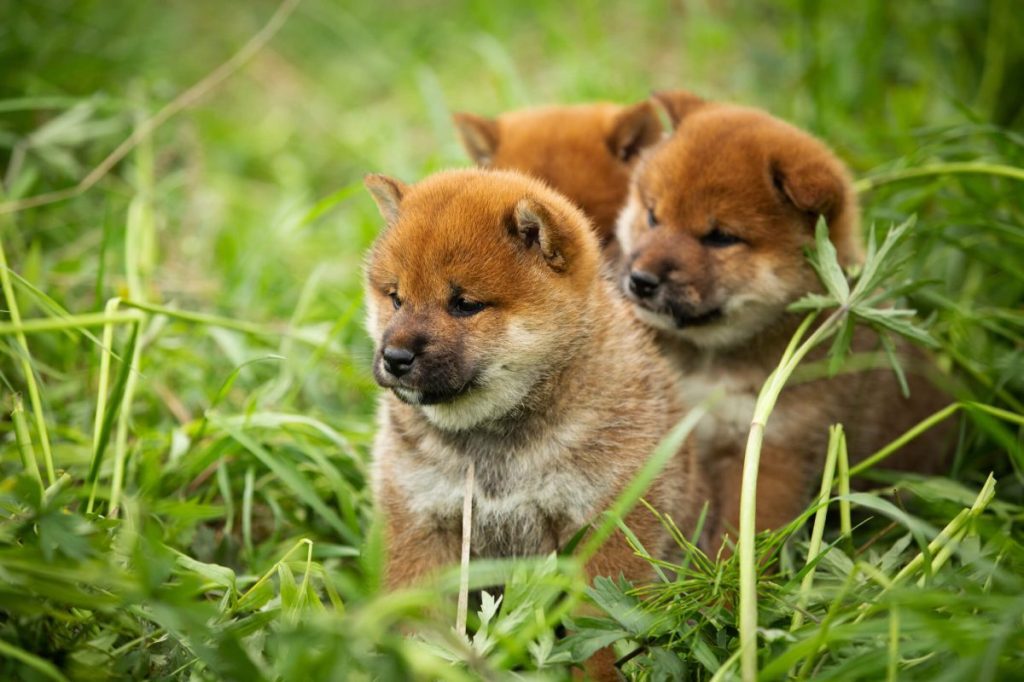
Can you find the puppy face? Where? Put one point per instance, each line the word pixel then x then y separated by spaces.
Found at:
pixel 586 152
pixel 477 289
pixel 718 218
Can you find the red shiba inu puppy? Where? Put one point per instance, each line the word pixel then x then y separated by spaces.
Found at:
pixel 585 151
pixel 713 239
pixel 499 343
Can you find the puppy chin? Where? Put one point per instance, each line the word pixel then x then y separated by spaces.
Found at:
pixel 660 321
pixel 408 395
pixel 744 317
pixel 721 334
pixel 501 391
pixel 730 330
pixel 462 413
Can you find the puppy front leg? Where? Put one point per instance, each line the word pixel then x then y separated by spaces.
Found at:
pixel 413 555
pixel 415 548
pixel 782 492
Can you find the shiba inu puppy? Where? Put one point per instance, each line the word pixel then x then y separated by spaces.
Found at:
pixel 585 151
pixel 499 343
pixel 713 239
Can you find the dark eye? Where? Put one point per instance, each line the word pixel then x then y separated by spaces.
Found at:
pixel 717 239
pixel 395 301
pixel 463 307
pixel 652 220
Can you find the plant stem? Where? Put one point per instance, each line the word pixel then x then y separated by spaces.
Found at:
pixel 911 434
pixel 748 497
pixel 845 522
pixel 894 644
pixel 121 438
pixel 26 365
pixel 835 441
pixel 951 168
pixel 24 440
pixel 106 351
pixel 56 324
pixel 467 532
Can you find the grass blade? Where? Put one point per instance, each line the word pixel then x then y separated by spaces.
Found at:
pixel 116 397
pixel 26 362
pixel 835 439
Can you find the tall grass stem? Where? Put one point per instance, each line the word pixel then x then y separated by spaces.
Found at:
pixel 835 440
pixel 467 535
pixel 25 359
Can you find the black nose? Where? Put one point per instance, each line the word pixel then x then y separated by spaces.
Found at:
pixel 398 361
pixel 643 284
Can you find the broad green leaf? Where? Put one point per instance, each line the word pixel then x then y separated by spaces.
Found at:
pixel 219 575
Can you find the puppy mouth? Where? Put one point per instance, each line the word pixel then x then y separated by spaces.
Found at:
pixel 415 396
pixel 682 316
pixel 685 319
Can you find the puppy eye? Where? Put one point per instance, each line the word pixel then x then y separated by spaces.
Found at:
pixel 463 307
pixel 718 239
pixel 652 220
pixel 395 301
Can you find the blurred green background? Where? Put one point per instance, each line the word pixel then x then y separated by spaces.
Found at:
pixel 248 207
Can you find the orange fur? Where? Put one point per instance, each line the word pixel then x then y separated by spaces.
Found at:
pixel 713 237
pixel 585 151
pixel 522 385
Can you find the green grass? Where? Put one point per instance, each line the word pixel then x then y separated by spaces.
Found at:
pixel 183 476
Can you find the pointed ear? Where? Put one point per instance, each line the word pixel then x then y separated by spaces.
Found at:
pixel 633 129
pixel 678 104
pixel 535 227
pixel 811 187
pixel 388 193
pixel 479 136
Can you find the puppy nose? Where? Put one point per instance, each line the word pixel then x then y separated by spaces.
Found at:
pixel 398 361
pixel 642 283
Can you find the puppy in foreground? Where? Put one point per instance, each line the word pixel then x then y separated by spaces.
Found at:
pixel 713 238
pixel 499 343
pixel 585 151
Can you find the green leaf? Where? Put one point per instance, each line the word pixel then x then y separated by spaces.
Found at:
pixel 588 636
pixel 897 320
pixel 826 262
pixel 894 361
pixel 65 534
pixel 874 273
pixel 291 477
pixel 627 610
pixel 218 575
pixel 488 607
pixel 840 347
pixel 113 408
pixel 290 597
pixel 256 597
pixel 666 665
pixel 813 302
pixel 704 654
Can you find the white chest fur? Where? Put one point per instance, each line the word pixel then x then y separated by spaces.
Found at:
pixel 520 499
pixel 729 412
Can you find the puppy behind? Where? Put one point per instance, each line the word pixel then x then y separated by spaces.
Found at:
pixel 585 151
pixel 713 237
pixel 499 343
